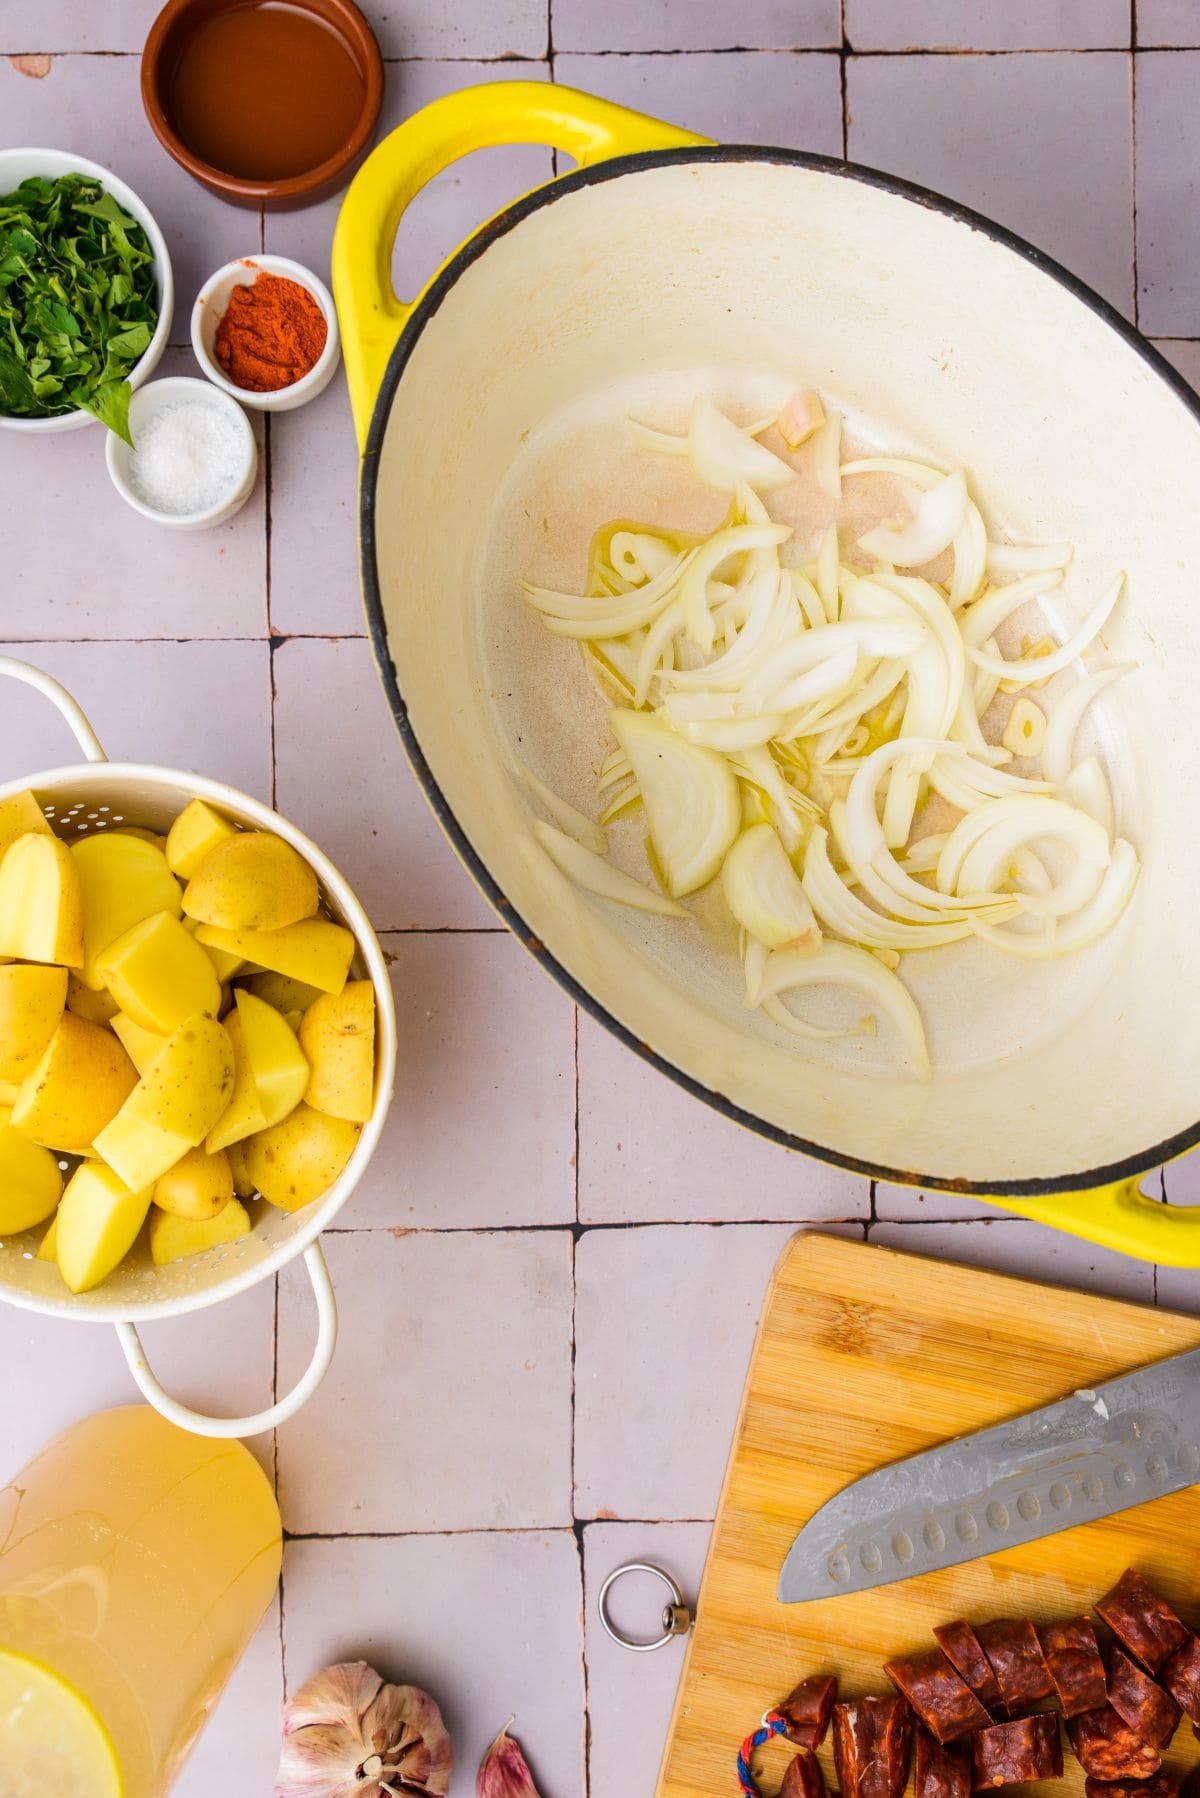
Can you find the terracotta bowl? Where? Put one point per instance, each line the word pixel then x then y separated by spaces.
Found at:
pixel 170 34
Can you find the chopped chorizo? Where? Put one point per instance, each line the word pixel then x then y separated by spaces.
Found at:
pixel 1159 1785
pixel 945 1704
pixel 872 1745
pixel 1150 1712
pixel 941 1772
pixel 1008 1754
pixel 1016 1657
pixel 807 1709
pixel 962 1648
pixel 1108 1749
pixel 1073 1661
pixel 1180 1674
pixel 803 1778
pixel 1142 1622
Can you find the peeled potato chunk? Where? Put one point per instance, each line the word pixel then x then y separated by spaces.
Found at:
pixel 96 1004
pixel 30 1182
pixel 159 974
pixel 41 902
pixel 198 1187
pixel 138 1152
pixel 47 1249
pixel 124 879
pixel 20 814
pixel 337 1034
pixel 31 1003
pixel 187 1085
pixel 315 951
pixel 243 1114
pixel 277 1062
pixel 98 1223
pixel 139 1044
pixel 174 1238
pixel 196 830
pixel 226 965
pixel 298 1159
pixel 281 991
pixel 243 1185
pixel 78 1086
pixel 252 881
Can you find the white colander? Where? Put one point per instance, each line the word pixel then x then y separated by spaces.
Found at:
pixel 101 795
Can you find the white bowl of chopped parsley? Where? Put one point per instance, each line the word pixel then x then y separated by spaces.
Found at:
pixel 86 293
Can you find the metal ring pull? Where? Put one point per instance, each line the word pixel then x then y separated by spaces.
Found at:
pixel 677 1620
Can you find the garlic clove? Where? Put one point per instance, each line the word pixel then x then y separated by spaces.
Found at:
pixel 504 1771
pixel 347 1734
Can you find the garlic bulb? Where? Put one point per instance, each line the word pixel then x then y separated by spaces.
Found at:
pixel 504 1771
pixel 348 1735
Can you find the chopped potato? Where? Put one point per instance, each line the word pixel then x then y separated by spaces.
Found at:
pixel 31 1003
pixel 277 1062
pixel 48 1247
pixel 281 991
pixel 30 1182
pixel 124 879
pixel 298 1160
pixel 96 1004
pixel 243 1113
pixel 314 950
pixel 21 814
pixel 252 881
pixel 42 914
pixel 338 1036
pixel 139 1044
pixel 197 829
pixel 187 1085
pixel 98 1223
pixel 78 1086
pixel 175 1238
pixel 226 965
pixel 198 1187
pixel 243 1185
pixel 139 1153
pixel 159 975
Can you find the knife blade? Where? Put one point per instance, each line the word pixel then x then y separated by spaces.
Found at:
pixel 1093 1453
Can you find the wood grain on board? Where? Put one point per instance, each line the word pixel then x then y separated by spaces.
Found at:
pixel 865 1355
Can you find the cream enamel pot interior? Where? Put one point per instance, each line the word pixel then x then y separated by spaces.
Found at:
pixel 138 1292
pixel 491 413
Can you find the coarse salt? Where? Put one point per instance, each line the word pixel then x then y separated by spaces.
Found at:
pixel 188 457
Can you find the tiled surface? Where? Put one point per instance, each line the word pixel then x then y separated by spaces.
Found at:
pixel 544 1332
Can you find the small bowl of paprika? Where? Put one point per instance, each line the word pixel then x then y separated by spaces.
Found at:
pixel 265 331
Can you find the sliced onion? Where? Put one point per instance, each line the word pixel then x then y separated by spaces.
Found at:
pixel 825 451
pixel 614 767
pixel 1067 716
pixel 967 784
pixel 827 572
pixel 866 849
pixel 840 910
pixel 921 474
pixel 980 849
pixel 860 637
pixel 1088 925
pixel 931 530
pixel 1042 667
pixel 725 457
pixel 598 876
pixel 763 891
pixel 659 636
pixel 1086 786
pixel 731 734
pixel 574 615
pixel 970 559
pixel 773 619
pixel 693 807
pixel 733 540
pixel 841 964
pixel 639 555
pixel 567 816
pixel 808 599
pixel 1007 559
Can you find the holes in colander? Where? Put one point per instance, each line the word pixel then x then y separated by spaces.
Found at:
pixel 93 815
pixel 104 808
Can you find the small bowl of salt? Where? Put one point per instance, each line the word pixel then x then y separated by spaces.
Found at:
pixel 194 457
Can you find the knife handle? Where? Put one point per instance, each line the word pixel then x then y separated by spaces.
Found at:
pixel 1119 1217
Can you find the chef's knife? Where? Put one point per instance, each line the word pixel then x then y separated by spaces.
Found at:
pixel 1129 1440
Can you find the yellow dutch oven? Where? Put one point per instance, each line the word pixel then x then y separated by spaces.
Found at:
pixel 490 417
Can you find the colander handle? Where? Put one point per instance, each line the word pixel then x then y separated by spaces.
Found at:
pixel 496 112
pixel 45 683
pixel 302 1391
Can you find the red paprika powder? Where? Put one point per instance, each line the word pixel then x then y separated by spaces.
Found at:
pixel 271 334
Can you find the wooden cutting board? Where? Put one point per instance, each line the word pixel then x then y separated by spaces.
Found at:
pixel 865 1355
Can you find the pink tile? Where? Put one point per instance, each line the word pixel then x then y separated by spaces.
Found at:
pixel 1185 355
pixel 990 131
pixel 479 28
pixel 357 797
pixel 1171 24
pixel 218 1360
pixel 489 1624
pixel 482 1130
pixel 1181 1179
pixel 1030 1250
pixel 1177 1289
pixel 751 97
pixel 664 1324
pixel 696 25
pixel 908 1205
pixel 988 24
pixel 90 566
pixel 448 1406
pixel 93 104
pixel 201 706
pixel 1168 194
pixel 649 1152
pixel 63 25
pixel 239 1749
pixel 631 1696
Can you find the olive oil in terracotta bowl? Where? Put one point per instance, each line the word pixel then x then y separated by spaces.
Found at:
pixel 267 102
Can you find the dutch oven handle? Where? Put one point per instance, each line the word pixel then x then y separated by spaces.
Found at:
pixel 498 112
pixel 196 1421
pixel 1119 1217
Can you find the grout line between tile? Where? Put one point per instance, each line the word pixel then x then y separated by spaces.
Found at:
pixel 528 1529
pixel 1133 172
pixel 584 1228
pixel 511 56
